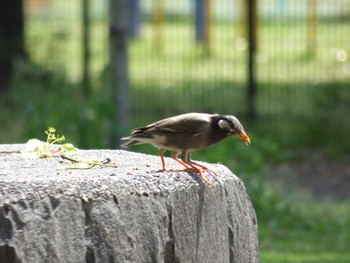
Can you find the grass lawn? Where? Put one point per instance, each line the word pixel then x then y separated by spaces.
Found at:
pixel 305 257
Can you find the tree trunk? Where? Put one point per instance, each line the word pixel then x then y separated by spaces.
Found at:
pixel 118 63
pixel 11 39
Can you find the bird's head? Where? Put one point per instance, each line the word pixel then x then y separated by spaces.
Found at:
pixel 232 126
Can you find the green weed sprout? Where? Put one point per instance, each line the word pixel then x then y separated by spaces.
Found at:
pixel 50 148
pixel 52 137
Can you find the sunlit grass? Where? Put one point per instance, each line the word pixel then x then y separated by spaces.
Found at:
pixel 282 52
pixel 302 257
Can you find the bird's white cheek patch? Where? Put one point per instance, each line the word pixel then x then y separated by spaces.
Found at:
pixel 224 125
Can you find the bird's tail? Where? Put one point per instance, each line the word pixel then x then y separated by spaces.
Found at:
pixel 128 141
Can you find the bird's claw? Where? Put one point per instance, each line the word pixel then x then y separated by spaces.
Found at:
pixel 200 171
pixel 203 168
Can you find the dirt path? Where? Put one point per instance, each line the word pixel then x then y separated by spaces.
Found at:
pixel 314 172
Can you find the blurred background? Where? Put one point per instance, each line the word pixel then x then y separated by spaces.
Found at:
pixel 95 69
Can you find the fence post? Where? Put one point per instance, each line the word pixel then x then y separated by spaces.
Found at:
pixel 136 215
pixel 135 18
pixel 118 63
pixel 86 47
pixel 252 47
pixel 203 23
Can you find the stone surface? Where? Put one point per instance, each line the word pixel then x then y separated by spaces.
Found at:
pixel 52 213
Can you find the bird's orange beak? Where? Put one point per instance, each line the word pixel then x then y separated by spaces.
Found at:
pixel 244 137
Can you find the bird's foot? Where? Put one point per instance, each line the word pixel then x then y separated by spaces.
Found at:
pixel 199 171
pixel 203 168
pixel 197 168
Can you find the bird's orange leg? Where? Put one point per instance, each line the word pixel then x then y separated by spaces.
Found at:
pixel 174 156
pixel 190 166
pixel 160 151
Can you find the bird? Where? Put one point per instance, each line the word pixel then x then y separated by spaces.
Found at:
pixel 185 133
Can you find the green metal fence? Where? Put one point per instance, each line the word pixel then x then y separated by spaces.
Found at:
pixel 302 59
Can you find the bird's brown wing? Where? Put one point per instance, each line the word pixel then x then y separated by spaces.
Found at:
pixel 184 124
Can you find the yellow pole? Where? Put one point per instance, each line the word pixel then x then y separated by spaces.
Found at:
pixel 312 27
pixel 243 19
pixel 255 24
pixel 158 18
